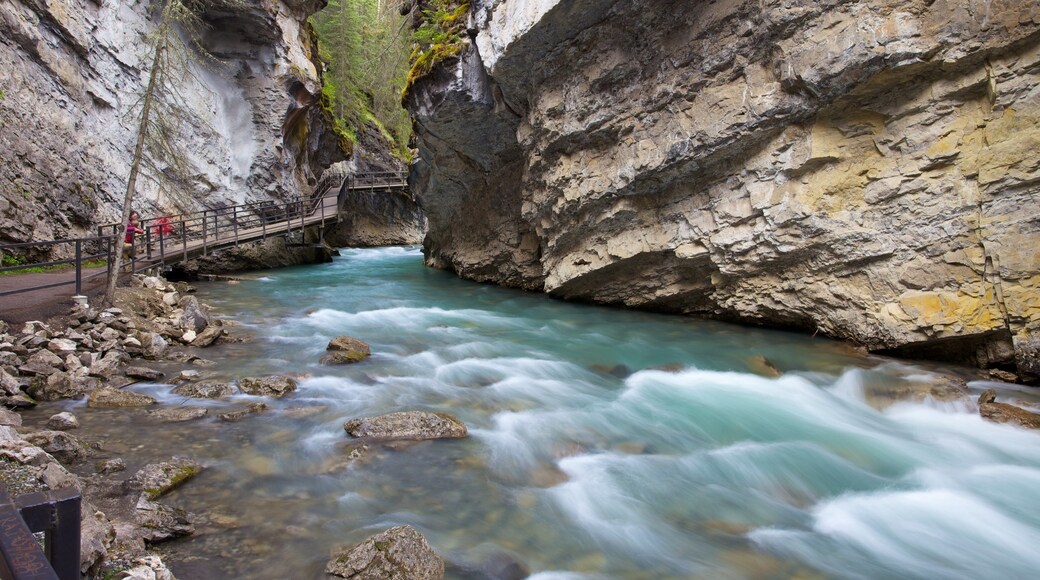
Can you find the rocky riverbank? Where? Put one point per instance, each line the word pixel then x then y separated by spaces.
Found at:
pixel 93 354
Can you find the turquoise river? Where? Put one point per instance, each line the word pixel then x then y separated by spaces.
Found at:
pixel 603 443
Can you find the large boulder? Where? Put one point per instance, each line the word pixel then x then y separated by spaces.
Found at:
pixel 270 386
pixel 1005 413
pixel 400 553
pixel 205 390
pixel 108 397
pixel 346 350
pixel 406 425
pixel 194 316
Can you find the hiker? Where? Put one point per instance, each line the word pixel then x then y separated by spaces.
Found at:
pixel 133 229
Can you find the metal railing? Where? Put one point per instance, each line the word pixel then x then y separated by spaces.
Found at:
pixel 377 179
pixel 56 513
pixel 176 237
pixel 85 250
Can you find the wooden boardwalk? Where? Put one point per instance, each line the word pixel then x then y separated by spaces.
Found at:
pixel 29 296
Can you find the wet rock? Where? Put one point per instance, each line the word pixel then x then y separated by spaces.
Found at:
pixel 157 479
pixel 270 386
pixel 17 402
pixel 346 350
pixel 110 466
pixel 1005 413
pixel 194 317
pixel 10 418
pixel 109 364
pixel 155 346
pixel 205 390
pixel 619 371
pixel 64 447
pixel 143 373
pixel 407 425
pixel 147 568
pixel 188 337
pixel 762 366
pixel 60 385
pixel 187 375
pixel 400 553
pixel 489 562
pixel 63 421
pixel 208 336
pixel 179 414
pixel 239 414
pixel 108 397
pixel 160 522
pixel 1001 375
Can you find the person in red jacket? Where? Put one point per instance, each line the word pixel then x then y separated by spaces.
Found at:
pixel 133 229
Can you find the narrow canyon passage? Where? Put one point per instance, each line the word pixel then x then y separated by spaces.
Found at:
pixel 603 443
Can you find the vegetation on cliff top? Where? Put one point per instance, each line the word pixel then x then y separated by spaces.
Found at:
pixel 365 51
pixel 439 37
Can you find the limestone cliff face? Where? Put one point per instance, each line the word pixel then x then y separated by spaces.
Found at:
pixel 72 71
pixel 867 169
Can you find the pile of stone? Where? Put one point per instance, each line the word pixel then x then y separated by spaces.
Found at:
pixel 87 354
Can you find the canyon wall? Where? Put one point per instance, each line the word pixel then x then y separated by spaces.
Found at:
pixel 72 73
pixel 865 169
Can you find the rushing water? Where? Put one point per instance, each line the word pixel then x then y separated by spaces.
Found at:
pixel 604 443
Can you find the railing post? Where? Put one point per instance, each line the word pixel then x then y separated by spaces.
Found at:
pixel 79 267
pixel 234 222
pixel 205 233
pixel 216 226
pixel 184 237
pixel 162 249
pixel 147 240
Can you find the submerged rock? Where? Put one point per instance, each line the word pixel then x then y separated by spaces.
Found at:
pixel 400 553
pixel 406 425
pixel 158 479
pixel 270 386
pixel 1005 413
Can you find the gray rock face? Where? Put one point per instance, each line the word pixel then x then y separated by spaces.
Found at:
pixel 377 218
pixel 406 425
pixel 269 386
pixel 855 168
pixel 71 73
pixel 205 390
pixel 400 553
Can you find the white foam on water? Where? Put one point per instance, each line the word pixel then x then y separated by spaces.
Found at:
pixel 616 516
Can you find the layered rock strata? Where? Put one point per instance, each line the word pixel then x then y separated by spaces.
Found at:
pixel 72 73
pixel 865 169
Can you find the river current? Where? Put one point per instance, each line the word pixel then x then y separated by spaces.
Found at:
pixel 603 443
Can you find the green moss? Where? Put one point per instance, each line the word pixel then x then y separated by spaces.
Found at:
pixel 439 38
pixel 178 477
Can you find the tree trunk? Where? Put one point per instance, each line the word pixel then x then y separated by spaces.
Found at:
pixel 135 169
